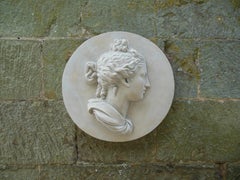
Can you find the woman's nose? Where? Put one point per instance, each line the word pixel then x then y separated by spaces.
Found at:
pixel 147 84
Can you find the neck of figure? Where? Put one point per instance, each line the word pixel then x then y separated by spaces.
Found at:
pixel 118 100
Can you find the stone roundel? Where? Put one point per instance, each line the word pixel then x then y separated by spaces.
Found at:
pixel 107 108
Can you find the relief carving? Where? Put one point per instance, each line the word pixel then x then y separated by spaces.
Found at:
pixel 117 86
pixel 120 76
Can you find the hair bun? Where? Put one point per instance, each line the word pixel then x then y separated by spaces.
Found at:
pixel 120 45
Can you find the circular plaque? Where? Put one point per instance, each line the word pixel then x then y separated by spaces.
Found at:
pixel 118 86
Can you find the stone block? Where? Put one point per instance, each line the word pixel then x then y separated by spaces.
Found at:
pixel 183 56
pixel 220 69
pixel 32 18
pixel 56 53
pixel 36 133
pixel 132 16
pixel 19 173
pixel 94 150
pixel 197 19
pixel 20 70
pixel 200 131
pixel 157 172
pixel 194 18
pixel 125 171
pixel 233 172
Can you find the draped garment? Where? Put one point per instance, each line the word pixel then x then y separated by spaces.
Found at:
pixel 107 115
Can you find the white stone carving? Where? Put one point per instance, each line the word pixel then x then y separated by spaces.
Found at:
pixel 118 86
pixel 121 77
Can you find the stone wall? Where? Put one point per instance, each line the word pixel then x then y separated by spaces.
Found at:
pixel 200 137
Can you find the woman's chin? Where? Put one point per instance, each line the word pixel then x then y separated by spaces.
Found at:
pixel 138 98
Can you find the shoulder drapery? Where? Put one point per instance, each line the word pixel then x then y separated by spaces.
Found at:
pixel 109 116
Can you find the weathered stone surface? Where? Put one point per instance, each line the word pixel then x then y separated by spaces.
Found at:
pixel 36 133
pixel 20 75
pixel 233 172
pixel 183 55
pixel 19 174
pixel 220 69
pixel 197 19
pixel 122 15
pixel 41 133
pixel 56 53
pixel 194 18
pixel 200 131
pixel 41 18
pixel 93 150
pixel 125 171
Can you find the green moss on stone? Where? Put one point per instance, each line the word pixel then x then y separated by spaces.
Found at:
pixel 219 62
pixel 183 54
pixel 200 131
pixel 235 3
pixel 55 56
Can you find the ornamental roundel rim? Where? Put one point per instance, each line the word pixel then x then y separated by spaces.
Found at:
pixel 145 114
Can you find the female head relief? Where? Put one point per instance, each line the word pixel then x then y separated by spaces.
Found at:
pixel 121 77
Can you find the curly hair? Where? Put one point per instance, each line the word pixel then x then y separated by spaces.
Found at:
pixel 113 66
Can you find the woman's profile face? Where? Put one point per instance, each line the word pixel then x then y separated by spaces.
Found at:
pixel 138 84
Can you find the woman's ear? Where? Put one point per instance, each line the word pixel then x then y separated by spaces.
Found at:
pixel 125 82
